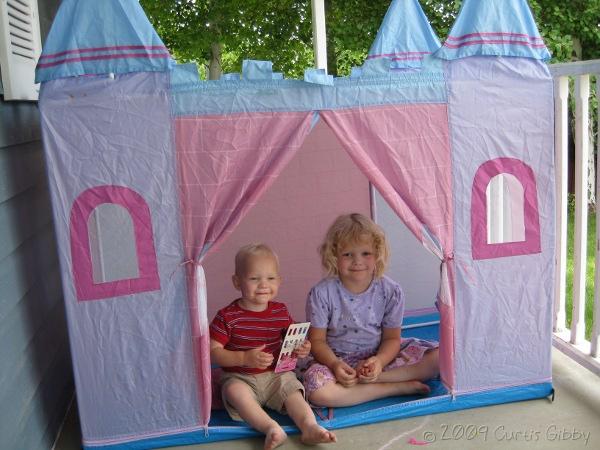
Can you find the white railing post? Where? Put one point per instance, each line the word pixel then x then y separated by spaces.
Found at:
pixel 582 92
pixel 561 136
pixel 596 317
pixel 319 36
pixel 573 342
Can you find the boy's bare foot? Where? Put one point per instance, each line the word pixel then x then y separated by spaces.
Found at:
pixel 316 434
pixel 274 437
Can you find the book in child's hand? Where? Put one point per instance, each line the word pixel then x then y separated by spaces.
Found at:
pixel 295 336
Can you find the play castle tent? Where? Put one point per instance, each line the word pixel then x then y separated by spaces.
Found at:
pixel 152 170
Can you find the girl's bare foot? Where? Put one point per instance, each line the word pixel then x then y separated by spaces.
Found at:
pixel 316 434
pixel 274 437
pixel 412 387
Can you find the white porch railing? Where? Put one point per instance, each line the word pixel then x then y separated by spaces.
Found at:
pixel 573 341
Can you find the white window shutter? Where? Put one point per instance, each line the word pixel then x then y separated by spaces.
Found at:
pixel 20 48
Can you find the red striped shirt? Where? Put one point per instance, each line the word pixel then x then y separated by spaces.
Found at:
pixel 240 330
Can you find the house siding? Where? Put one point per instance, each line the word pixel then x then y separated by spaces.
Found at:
pixel 36 381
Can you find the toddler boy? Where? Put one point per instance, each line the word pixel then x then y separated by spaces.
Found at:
pixel 245 339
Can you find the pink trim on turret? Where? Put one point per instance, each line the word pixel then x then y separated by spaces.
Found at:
pixel 104 49
pixel 501 34
pixel 494 42
pixel 104 57
pixel 400 55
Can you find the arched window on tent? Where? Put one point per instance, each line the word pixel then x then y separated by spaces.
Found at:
pixel 112 246
pixel 504 210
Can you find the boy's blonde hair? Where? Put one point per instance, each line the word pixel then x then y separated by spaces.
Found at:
pixel 254 249
pixel 351 229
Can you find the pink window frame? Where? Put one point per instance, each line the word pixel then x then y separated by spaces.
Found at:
pixel 522 172
pixel 81 256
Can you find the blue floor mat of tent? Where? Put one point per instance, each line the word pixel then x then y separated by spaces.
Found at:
pixel 221 427
pixel 369 412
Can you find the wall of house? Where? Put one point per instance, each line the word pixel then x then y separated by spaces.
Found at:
pixel 36 382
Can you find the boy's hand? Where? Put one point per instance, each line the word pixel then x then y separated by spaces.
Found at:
pixel 344 374
pixel 257 359
pixel 369 369
pixel 303 350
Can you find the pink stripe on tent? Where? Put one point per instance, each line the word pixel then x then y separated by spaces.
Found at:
pixel 104 57
pixel 225 163
pixel 399 54
pixel 522 172
pixel 103 49
pixel 407 58
pixel 81 256
pixel 499 41
pixel 137 437
pixel 481 35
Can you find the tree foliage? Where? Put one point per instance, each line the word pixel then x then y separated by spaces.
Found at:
pixel 351 28
pixel 280 30
pixel 277 30
pixel 570 28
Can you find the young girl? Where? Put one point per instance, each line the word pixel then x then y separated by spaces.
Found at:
pixel 355 314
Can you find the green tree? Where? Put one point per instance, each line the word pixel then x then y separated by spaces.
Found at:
pixel 571 28
pixel 219 34
pixel 351 28
pixel 441 15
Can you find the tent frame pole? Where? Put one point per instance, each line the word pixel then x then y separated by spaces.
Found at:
pixel 319 33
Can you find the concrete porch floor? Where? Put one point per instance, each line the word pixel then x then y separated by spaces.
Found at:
pixel 571 422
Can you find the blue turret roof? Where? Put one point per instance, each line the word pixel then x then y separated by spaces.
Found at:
pixel 405 36
pixel 101 36
pixel 494 27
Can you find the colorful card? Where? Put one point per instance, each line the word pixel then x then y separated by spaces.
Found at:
pixel 295 336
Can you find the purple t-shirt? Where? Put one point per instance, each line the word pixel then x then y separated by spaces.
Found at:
pixel 354 322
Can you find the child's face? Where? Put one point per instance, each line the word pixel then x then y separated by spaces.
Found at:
pixel 356 265
pixel 258 282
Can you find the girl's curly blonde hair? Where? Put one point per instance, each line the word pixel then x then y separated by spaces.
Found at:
pixel 350 229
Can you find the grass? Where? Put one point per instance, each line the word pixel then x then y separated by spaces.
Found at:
pixel 589 277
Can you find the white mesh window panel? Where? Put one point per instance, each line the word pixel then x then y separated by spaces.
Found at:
pixel 112 244
pixel 20 48
pixel 505 210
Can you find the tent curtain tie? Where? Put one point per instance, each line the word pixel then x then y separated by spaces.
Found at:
pixel 470 277
pixel 447 258
pixel 183 264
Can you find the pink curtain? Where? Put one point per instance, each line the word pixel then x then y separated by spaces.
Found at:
pixel 404 151
pixel 225 163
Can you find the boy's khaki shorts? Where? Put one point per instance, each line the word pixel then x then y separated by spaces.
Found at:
pixel 270 389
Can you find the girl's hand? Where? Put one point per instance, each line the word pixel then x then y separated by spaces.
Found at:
pixel 257 359
pixel 369 370
pixel 344 374
pixel 303 350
